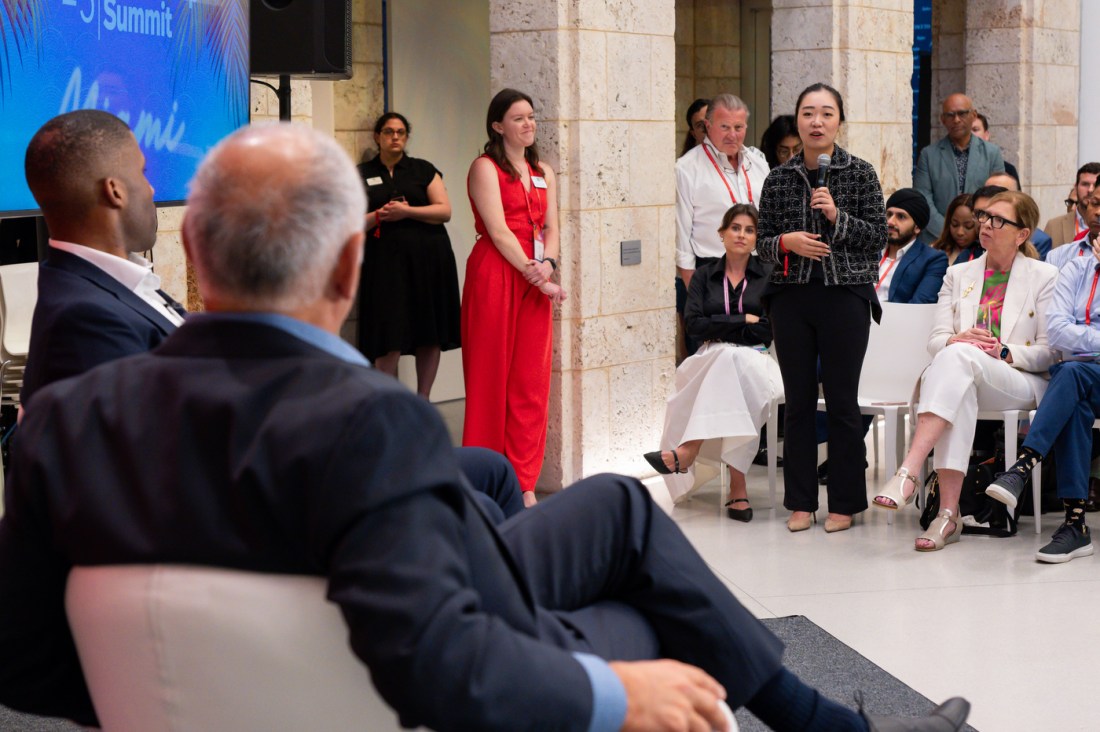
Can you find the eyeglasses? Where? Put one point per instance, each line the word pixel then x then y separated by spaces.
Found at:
pixel 996 222
pixel 389 132
pixel 963 114
pixel 1070 203
pixel 700 126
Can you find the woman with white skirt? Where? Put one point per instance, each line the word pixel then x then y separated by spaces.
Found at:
pixel 990 352
pixel 725 390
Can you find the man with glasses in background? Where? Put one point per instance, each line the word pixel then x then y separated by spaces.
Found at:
pixel 959 163
pixel 1071 226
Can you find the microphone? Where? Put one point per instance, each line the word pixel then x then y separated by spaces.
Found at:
pixel 823 163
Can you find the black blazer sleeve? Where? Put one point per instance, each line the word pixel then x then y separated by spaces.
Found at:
pixel 705 323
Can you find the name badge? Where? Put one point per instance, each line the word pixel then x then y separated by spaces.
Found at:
pixel 375 181
pixel 538 181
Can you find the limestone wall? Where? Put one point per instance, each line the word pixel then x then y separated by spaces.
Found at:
pixel 602 74
pixel 864 50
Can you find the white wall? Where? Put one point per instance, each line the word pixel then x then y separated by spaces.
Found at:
pixel 1088 130
pixel 439 79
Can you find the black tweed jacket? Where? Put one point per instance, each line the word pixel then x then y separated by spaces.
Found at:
pixel 858 237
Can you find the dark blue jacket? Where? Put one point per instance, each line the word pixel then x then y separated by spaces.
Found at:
pixel 919 275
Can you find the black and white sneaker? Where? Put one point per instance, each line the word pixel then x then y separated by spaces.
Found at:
pixel 1007 488
pixel 1068 543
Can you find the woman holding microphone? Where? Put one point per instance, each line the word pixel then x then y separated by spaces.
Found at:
pixel 508 294
pixel 823 225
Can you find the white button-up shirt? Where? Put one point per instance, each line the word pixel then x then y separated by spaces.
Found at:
pixel 135 274
pixel 702 198
pixel 886 269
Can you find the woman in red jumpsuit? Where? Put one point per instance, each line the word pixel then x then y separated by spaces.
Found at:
pixel 508 294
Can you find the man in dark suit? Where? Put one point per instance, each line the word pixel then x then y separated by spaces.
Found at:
pixel 958 163
pixel 1071 225
pixel 910 271
pixel 275 450
pixel 98 300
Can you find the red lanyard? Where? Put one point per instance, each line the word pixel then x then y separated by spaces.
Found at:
pixel 527 197
pixel 744 170
pixel 887 272
pixel 727 286
pixel 1092 294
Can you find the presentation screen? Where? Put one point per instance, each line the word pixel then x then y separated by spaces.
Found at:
pixel 176 71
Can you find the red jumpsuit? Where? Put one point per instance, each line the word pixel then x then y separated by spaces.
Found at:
pixel 506 329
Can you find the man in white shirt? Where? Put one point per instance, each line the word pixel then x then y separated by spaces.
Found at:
pixel 98 300
pixel 710 178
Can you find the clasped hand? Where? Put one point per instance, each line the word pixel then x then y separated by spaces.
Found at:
pixel 393 211
pixel 981 339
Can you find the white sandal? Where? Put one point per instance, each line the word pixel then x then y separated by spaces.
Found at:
pixel 894 491
pixel 937 532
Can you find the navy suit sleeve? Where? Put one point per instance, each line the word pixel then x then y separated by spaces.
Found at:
pixel 77 339
pixel 928 289
pixel 419 579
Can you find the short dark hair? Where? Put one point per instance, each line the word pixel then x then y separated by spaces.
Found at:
pixel 984 121
pixel 781 127
pixel 70 153
pixel 821 87
pixel 1089 168
pixel 986 192
pixel 387 117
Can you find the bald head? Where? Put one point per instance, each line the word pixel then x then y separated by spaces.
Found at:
pixel 270 211
pixel 1004 180
pixel 957 116
pixel 86 173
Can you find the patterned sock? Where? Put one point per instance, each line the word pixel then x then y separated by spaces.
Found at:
pixel 786 703
pixel 1025 462
pixel 1075 513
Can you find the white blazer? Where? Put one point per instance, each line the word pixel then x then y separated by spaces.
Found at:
pixel 1023 318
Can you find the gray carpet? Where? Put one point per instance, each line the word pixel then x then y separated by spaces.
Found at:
pixel 816 657
pixel 837 671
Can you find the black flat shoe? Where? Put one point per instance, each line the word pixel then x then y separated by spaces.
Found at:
pixel 739 514
pixel 762 458
pixel 658 463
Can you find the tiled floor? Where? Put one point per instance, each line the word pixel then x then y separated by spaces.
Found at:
pixel 981 618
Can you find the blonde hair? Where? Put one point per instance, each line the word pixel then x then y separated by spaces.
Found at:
pixel 1027 212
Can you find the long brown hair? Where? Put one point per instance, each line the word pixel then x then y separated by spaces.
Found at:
pixel 494 148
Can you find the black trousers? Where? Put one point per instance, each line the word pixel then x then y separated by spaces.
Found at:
pixel 613 575
pixel 812 322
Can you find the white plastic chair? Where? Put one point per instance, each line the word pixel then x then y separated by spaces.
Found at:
pixel 897 353
pixel 173 648
pixel 195 649
pixel 18 295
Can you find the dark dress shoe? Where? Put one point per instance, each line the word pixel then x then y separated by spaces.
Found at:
pixel 739 514
pixel 947 717
pixel 762 458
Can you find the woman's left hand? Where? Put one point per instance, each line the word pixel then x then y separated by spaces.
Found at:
pixel 822 201
pixel 538 272
pixel 552 291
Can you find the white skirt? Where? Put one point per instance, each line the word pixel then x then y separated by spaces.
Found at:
pixel 724 392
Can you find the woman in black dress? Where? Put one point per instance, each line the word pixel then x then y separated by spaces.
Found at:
pixel 408 295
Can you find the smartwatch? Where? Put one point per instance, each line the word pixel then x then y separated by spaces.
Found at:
pixel 1004 352
pixel 553 263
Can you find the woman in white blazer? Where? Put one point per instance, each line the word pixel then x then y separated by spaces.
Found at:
pixel 989 348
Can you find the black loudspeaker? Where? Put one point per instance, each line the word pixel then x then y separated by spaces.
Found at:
pixel 301 38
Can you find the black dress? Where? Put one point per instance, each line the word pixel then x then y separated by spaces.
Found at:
pixel 408 294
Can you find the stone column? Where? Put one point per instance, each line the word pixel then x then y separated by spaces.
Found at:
pixel 864 50
pixel 602 73
pixel 1022 65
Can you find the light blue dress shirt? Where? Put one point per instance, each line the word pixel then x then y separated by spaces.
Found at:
pixel 1066 328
